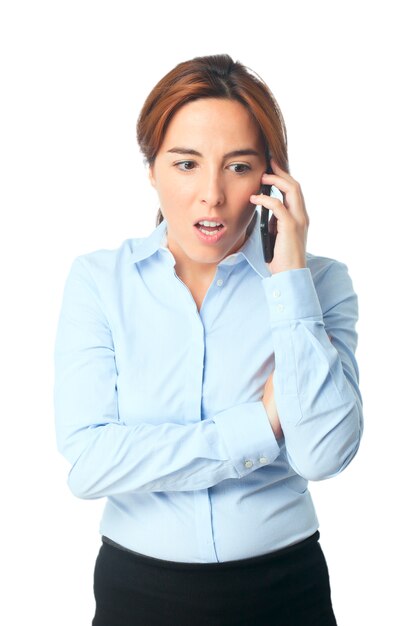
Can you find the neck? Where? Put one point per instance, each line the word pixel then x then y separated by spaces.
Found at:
pixel 202 273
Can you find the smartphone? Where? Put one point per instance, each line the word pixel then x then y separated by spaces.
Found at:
pixel 268 226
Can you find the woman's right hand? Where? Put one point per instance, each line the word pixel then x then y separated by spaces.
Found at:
pixel 271 408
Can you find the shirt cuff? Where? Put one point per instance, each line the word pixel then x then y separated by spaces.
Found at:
pixel 248 436
pixel 291 295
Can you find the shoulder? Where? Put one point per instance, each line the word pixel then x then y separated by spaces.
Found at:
pixel 320 265
pixel 102 271
pixel 107 260
pixel 326 269
pixel 331 279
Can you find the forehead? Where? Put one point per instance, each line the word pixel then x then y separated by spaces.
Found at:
pixel 214 118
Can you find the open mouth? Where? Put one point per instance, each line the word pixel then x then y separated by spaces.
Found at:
pixel 208 227
pixel 208 230
pixel 210 234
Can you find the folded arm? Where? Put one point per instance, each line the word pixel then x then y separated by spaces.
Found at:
pixel 316 378
pixel 109 457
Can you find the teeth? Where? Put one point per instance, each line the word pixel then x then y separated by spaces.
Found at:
pixel 209 232
pixel 206 223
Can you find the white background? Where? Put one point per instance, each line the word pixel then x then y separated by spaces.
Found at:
pixel 74 76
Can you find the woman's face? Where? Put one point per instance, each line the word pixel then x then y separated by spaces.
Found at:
pixel 198 177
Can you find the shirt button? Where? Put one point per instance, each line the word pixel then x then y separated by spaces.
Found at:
pixel 280 308
pixel 263 460
pixel 248 464
pixel 220 282
pixel 276 293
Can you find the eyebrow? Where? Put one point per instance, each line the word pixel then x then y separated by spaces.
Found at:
pixel 233 153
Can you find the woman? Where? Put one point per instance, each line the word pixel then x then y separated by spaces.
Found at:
pixel 199 388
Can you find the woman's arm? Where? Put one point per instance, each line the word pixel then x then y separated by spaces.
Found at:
pixel 316 378
pixel 109 457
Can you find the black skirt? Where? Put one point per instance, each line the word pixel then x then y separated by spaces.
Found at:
pixel 289 587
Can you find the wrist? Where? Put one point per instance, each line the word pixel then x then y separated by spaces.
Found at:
pixel 276 269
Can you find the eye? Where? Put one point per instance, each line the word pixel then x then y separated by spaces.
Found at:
pixel 184 163
pixel 240 165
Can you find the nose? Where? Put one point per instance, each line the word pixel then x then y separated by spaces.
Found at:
pixel 212 192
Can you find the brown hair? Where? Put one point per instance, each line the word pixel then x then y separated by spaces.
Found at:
pixel 216 76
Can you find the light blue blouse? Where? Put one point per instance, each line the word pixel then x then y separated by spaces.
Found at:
pixel 158 406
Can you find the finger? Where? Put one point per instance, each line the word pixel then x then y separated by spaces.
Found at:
pixel 266 200
pixel 283 175
pixel 269 202
pixel 278 181
pixel 292 192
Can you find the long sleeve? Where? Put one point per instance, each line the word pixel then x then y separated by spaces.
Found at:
pixel 316 376
pixel 109 457
pixel 158 403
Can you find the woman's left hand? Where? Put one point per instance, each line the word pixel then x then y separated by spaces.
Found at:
pixel 290 220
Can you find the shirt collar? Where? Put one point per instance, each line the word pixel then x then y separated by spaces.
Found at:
pixel 251 251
